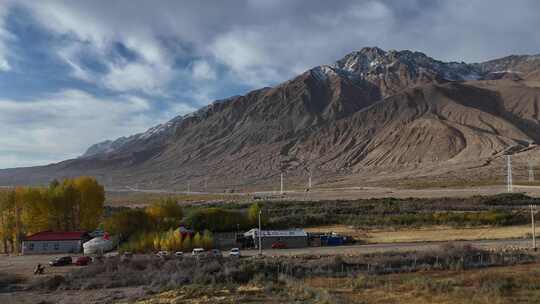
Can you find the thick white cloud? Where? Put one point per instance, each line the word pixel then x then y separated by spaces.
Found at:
pixel 95 32
pixel 191 49
pixel 202 70
pixel 137 76
pixel 64 124
pixel 264 42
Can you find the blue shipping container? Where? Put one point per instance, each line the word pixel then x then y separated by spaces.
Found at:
pixel 334 241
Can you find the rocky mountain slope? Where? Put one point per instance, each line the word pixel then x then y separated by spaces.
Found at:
pixel 373 111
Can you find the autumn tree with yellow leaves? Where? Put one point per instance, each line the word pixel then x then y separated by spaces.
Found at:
pixel 73 204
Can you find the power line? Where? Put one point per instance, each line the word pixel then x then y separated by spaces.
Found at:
pixel 533 228
pixel 531 171
pixel 281 190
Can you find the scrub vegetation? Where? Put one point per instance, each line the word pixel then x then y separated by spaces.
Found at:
pixel 496 210
pixel 438 276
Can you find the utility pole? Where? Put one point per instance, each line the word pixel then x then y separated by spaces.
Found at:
pixel 281 191
pixel 533 230
pixel 188 187
pixel 309 180
pixel 531 172
pixel 509 173
pixel 18 234
pixel 260 233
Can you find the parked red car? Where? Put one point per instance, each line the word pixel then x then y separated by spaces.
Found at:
pixel 82 261
pixel 279 245
pixel 61 261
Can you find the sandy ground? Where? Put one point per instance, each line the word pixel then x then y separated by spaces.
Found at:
pixel 23 265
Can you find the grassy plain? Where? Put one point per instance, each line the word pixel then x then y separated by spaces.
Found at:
pixel 498 285
pixel 427 234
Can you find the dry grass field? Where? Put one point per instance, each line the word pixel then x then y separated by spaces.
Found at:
pixel 511 284
pixel 427 234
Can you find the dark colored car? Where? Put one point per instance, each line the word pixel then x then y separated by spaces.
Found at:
pixel 61 261
pixel 279 245
pixel 82 261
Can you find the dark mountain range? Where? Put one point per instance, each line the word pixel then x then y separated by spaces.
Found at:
pixel 373 111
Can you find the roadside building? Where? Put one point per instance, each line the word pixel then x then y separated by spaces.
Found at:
pixel 296 238
pixel 54 242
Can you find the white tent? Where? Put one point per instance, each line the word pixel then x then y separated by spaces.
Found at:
pixel 99 245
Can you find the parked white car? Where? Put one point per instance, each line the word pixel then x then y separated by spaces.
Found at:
pixel 179 254
pixel 235 252
pixel 197 251
pixel 163 254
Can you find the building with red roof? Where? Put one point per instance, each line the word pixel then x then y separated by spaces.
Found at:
pixel 55 242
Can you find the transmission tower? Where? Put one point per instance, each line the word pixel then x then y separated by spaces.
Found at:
pixel 509 173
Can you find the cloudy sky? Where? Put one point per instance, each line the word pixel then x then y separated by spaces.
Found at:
pixel 73 73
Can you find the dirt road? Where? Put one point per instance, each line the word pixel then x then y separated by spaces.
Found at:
pixel 381 192
pixel 23 265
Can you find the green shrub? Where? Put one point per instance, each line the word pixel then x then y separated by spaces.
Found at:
pixel 217 219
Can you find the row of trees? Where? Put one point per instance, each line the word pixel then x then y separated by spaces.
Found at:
pixel 73 204
pixel 221 219
pixel 154 227
pixel 160 216
pixel 167 214
pixel 170 240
